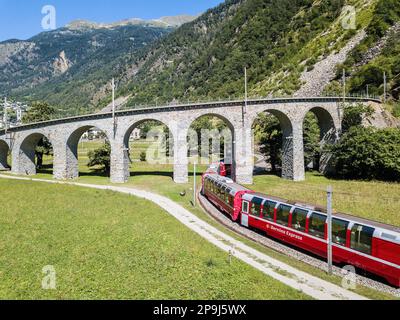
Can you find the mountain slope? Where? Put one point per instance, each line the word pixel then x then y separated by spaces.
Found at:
pixel 72 66
pixel 206 58
pixel 289 47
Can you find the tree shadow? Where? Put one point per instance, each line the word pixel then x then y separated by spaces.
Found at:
pixel 277 173
pixel 45 169
pixel 95 173
pixel 152 173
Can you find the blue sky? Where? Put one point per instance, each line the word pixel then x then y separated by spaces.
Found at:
pixel 21 19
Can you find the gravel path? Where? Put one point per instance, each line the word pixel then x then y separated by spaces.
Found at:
pixel 299 280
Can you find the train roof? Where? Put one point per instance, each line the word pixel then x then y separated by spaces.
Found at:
pixel 228 183
pixel 321 209
pixel 368 222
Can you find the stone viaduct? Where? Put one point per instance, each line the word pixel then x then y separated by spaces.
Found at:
pixel 64 134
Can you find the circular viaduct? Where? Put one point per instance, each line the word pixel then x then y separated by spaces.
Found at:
pixel 64 134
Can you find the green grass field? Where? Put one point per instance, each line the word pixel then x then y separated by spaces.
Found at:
pixel 104 245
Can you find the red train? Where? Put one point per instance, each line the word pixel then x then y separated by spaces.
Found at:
pixel 368 245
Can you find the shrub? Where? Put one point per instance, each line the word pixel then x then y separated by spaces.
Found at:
pixel 368 153
pixel 143 156
pixel 354 115
pixel 396 110
pixel 100 157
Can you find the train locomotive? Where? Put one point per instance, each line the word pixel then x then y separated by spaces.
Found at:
pixel 365 244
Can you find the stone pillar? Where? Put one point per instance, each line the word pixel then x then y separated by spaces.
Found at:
pixel 180 154
pixel 23 160
pixel 65 163
pixel 119 166
pixel 243 155
pixel 293 154
pixel 71 161
pixel 59 163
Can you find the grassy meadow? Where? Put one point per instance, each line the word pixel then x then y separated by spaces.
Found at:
pixel 105 245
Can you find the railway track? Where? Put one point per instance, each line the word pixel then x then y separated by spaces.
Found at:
pixel 289 251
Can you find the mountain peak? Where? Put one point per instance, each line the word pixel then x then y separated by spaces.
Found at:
pixel 167 21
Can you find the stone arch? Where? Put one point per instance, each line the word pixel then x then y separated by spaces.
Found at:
pixel 329 133
pixel 229 139
pixel 4 150
pixel 326 121
pixel 213 114
pixel 72 143
pixel 291 169
pixel 137 123
pixel 24 154
pixel 126 141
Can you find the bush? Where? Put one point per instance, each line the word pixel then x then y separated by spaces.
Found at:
pixel 396 110
pixel 143 156
pixel 368 153
pixel 354 114
pixel 100 157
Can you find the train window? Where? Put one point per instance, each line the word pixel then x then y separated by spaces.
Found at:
pixel 255 209
pixel 361 238
pixel 208 185
pixel 245 207
pixel 282 214
pixel 222 194
pixel 227 195
pixel 317 225
pixel 339 231
pixel 231 200
pixel 219 191
pixel 299 219
pixel 268 210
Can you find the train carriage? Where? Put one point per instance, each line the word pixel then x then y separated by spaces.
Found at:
pixel 368 245
pixel 224 193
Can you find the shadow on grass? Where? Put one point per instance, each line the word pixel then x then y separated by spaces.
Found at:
pixel 45 169
pixel 95 173
pixel 168 174
pixel 268 173
pixel 278 174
